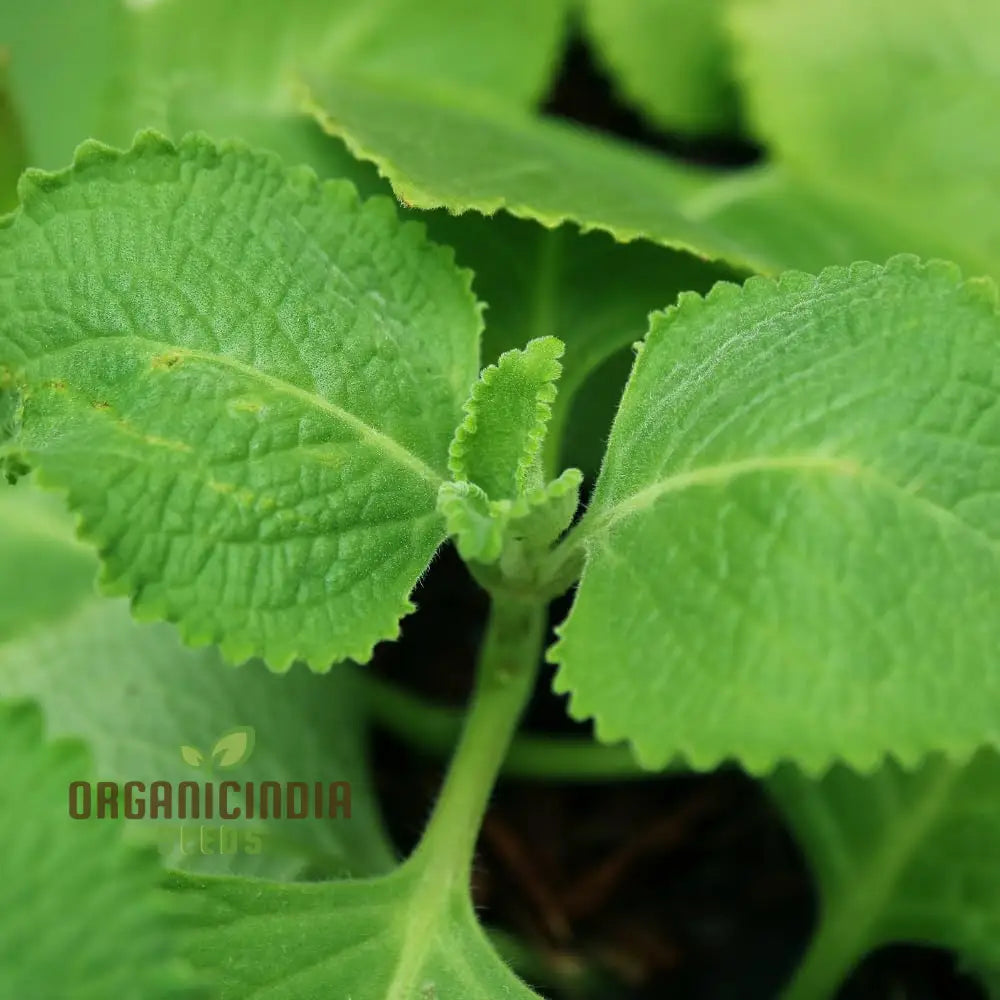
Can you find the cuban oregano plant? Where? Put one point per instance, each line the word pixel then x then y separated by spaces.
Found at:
pixel 262 399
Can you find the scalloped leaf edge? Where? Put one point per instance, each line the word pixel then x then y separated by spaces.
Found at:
pixel 412 195
pixel 541 354
pixel 982 291
pixel 33 185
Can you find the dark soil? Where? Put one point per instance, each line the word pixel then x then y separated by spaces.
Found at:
pixel 683 886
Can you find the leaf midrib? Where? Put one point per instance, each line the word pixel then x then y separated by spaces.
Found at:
pixel 599 521
pixel 383 442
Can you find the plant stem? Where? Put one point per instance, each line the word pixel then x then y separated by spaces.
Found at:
pixel 505 679
pixel 435 729
pixel 830 955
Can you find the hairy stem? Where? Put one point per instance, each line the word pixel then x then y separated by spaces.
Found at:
pixel 505 679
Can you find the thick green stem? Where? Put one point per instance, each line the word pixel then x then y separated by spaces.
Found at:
pixel 506 675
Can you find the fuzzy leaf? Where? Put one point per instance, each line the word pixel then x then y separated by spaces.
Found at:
pixel 398 937
pixel 441 154
pixel 592 293
pixel 800 500
pixel 139 699
pixel 484 528
pixel 882 102
pixel 80 912
pixel 670 57
pixel 498 444
pixel 475 522
pixel 247 383
pixel 900 857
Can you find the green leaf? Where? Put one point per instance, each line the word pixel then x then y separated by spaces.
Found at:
pixel 441 154
pixel 504 52
pixel 53 574
pixel 785 224
pixel 500 508
pixel 232 70
pixel 883 104
pixel 799 503
pixel 498 445
pixel 246 382
pixel 437 154
pixel 592 293
pixel 668 56
pixel 81 916
pixel 900 857
pixel 145 705
pixel 486 531
pixel 61 54
pixel 400 937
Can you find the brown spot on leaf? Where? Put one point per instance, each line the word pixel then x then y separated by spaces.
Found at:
pixel 166 361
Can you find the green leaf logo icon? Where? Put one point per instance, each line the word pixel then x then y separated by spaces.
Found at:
pixel 234 747
pixel 192 755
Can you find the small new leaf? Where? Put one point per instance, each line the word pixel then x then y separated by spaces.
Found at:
pixel 234 748
pixel 475 522
pixel 486 531
pixel 497 447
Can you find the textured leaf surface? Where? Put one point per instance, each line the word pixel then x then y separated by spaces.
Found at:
pixel 498 445
pixel 247 383
pixel 900 857
pixel 883 103
pixel 668 56
pixel 81 916
pixel 438 154
pixel 375 939
pixel 150 709
pixel 801 498
pixel 592 293
pixel 481 527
